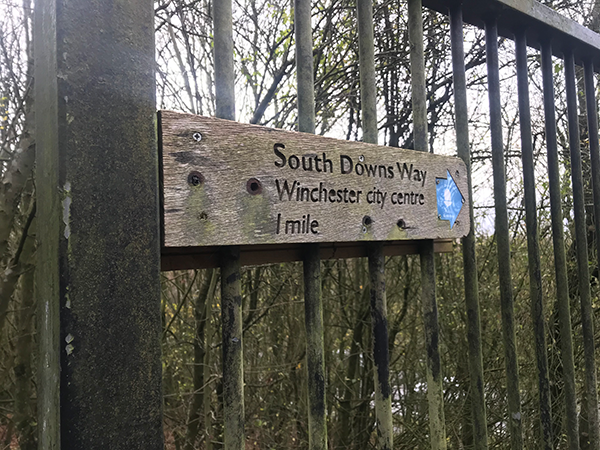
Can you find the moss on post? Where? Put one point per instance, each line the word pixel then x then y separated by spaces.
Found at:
pixel 381 356
pixel 315 360
pixel 98 288
pixel 233 375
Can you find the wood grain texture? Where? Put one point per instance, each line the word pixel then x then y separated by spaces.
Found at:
pixel 210 165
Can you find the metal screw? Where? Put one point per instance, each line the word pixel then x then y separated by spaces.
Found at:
pixel 364 230
pixel 361 158
pixel 437 181
pixel 197 136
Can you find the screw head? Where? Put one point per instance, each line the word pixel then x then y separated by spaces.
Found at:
pixel 361 158
pixel 437 181
pixel 197 136
pixel 364 230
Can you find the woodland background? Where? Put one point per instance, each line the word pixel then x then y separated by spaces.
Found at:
pixel 274 348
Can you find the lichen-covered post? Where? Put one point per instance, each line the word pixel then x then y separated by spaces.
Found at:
pixel 379 323
pixel 231 290
pixel 477 397
pixel 583 271
pixel 560 257
pixel 533 243
pixel 98 284
pixel 315 359
pixel 515 425
pixel 313 300
pixel 381 355
pixel 592 116
pixel 435 394
pixel 233 366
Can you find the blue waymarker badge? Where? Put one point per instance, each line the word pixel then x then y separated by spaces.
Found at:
pixel 449 199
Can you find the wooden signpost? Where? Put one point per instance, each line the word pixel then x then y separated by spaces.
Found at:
pixel 227 183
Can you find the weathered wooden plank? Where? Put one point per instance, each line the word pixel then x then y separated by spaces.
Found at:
pixel 226 183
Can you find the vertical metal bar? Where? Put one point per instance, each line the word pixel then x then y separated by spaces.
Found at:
pixel 592 115
pixel 233 365
pixel 587 319
pixel 533 243
pixel 98 279
pixel 417 71
pixel 480 437
pixel 313 301
pixel 231 291
pixel 502 238
pixel 560 260
pixel 315 360
pixel 304 66
pixel 379 324
pixel 381 357
pixel 368 89
pixel 224 74
pixel 435 394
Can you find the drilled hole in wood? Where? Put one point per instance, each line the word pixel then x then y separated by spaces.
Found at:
pixel 254 186
pixel 401 224
pixel 367 221
pixel 195 178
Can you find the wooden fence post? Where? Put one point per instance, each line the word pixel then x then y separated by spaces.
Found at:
pixel 98 280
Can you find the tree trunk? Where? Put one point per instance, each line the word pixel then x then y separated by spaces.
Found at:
pixel 25 416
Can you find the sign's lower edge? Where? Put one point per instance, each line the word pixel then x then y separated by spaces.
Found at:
pixel 184 258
